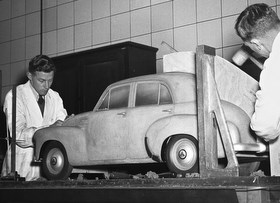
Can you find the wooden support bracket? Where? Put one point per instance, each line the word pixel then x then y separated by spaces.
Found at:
pixel 211 119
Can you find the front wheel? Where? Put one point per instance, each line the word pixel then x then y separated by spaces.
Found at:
pixel 182 154
pixel 55 164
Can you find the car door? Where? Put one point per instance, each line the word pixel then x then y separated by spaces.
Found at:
pixel 108 126
pixel 152 101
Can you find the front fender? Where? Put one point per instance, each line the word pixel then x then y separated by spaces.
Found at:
pixel 160 130
pixel 72 138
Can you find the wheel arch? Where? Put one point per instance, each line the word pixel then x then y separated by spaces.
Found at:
pixel 72 139
pixel 162 130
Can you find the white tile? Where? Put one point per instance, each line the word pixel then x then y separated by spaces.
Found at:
pixel 32 6
pixel 83 35
pixel 120 26
pixel 65 15
pixel 33 24
pixel 184 12
pixel 143 39
pixel 268 2
pixel 18 72
pixel 158 1
pixel 6 74
pixel 100 9
pixel 63 1
pixel 101 31
pixel 228 52
pixel 82 11
pixel 82 49
pixel 162 16
pixel 213 37
pixel 141 21
pixel 233 7
pixel 134 4
pixel 185 38
pixel 208 9
pixel 18 8
pixel 18 50
pixel 101 45
pixel 49 19
pixel 120 41
pixel 50 42
pixel 49 3
pixel 5 31
pixel 18 27
pixel 32 46
pixel 158 38
pixel 5 9
pixel 65 39
pixel 229 34
pixel 119 6
pixel 5 50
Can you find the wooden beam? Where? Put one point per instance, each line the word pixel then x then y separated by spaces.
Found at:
pixel 211 119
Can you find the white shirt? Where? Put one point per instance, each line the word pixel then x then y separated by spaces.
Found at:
pixel 29 119
pixel 266 118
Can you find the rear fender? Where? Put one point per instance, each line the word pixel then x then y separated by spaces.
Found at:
pixel 164 128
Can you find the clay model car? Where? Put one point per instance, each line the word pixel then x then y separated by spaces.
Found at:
pixel 146 119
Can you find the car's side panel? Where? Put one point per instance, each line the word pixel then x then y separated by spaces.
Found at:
pixel 141 118
pixel 107 136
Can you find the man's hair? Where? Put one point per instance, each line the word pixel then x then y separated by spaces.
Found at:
pixel 41 63
pixel 255 21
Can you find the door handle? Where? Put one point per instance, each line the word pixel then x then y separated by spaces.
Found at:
pixel 121 114
pixel 167 110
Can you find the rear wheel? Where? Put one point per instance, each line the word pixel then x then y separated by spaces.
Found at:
pixel 55 164
pixel 182 154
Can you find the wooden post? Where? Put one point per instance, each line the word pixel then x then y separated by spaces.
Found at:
pixel 211 119
pixel 13 141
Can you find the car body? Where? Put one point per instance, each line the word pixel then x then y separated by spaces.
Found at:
pixel 146 119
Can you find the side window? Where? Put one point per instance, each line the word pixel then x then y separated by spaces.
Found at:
pixel 105 103
pixel 165 97
pixel 119 97
pixel 147 94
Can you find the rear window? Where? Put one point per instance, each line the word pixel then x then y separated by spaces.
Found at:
pixel 152 94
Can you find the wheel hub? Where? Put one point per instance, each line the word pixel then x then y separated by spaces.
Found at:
pixel 53 161
pixel 182 154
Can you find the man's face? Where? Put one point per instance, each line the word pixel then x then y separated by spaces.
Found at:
pixel 41 81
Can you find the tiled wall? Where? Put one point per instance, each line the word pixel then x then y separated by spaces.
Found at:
pixel 75 25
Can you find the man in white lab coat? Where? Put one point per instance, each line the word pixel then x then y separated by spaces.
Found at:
pixel 29 116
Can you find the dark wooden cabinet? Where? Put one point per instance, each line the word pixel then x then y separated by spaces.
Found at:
pixel 82 77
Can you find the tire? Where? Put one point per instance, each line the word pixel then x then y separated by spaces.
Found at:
pixel 55 164
pixel 182 154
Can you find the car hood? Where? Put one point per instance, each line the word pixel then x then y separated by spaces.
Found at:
pixel 80 120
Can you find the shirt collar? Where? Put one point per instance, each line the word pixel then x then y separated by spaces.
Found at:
pixel 34 91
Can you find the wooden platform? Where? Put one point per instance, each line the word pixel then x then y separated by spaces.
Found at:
pixel 194 190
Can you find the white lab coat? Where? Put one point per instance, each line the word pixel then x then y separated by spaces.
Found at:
pixel 266 118
pixel 28 120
